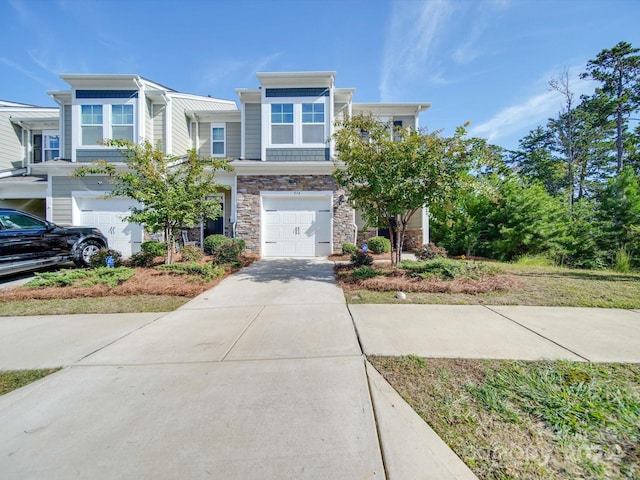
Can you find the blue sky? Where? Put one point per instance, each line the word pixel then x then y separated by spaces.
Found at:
pixel 483 61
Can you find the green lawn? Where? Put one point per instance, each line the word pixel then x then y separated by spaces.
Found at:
pixel 545 286
pixel 115 304
pixel 527 420
pixel 12 379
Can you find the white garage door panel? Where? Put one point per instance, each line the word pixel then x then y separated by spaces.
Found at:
pixel 109 216
pixel 296 226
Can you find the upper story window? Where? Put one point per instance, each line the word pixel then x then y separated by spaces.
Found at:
pixel 282 123
pixel 218 140
pixel 313 123
pixel 46 146
pixel 91 120
pixel 397 131
pixel 122 122
pixel 51 145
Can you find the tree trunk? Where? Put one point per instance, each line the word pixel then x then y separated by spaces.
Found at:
pixel 390 225
pixel 400 239
pixel 168 238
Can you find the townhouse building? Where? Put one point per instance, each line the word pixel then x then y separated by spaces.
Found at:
pixel 280 196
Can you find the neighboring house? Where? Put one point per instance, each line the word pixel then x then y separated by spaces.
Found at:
pixel 280 197
pixel 99 107
pixel 28 135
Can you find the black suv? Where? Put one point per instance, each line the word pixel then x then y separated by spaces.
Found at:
pixel 27 242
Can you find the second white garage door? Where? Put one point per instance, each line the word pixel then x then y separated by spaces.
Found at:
pixel 109 216
pixel 296 226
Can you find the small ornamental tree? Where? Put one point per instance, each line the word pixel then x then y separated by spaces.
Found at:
pixel 174 192
pixel 391 173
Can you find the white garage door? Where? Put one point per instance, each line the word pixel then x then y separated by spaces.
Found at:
pixel 296 226
pixel 108 215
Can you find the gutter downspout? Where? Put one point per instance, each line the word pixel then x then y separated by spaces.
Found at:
pixel 355 228
pixel 140 110
pixel 168 144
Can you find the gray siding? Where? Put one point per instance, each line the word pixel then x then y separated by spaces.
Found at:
pixel 297 154
pixel 89 155
pixel 148 121
pixel 61 188
pixel 204 139
pixel 11 152
pixel 159 112
pixel 181 141
pixel 233 139
pixel 407 121
pixel 252 131
pixel 66 112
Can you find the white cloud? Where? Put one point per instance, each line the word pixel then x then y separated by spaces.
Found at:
pixel 423 37
pixel 534 110
pixel 26 72
pixel 410 41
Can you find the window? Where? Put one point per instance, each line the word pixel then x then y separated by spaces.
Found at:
pixel 282 123
pixel 122 122
pixel 313 123
pixel 51 145
pixel 397 132
pixel 217 141
pixel 91 124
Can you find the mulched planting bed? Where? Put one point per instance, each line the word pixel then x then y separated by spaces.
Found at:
pixel 146 281
pixel 396 279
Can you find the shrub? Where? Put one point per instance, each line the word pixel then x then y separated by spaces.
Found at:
pixel 99 259
pixel 349 248
pixel 622 261
pixel 379 245
pixel 84 278
pixel 213 242
pixel 227 253
pixel 241 243
pixel 207 271
pixel 429 251
pixel 446 269
pixel 157 249
pixel 142 259
pixel 364 272
pixel 360 259
pixel 191 253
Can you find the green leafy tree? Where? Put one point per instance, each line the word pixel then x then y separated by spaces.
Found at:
pixel 619 214
pixel 505 219
pixel 618 71
pixel 174 192
pixel 536 160
pixel 391 173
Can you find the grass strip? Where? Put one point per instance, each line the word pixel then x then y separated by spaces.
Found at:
pixel 13 379
pixel 527 420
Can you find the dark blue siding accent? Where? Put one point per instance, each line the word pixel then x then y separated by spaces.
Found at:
pixel 106 94
pixel 297 92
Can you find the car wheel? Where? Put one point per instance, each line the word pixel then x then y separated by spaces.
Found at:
pixel 85 250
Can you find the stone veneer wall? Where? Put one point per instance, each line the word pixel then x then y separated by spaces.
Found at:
pixel 412 238
pixel 248 205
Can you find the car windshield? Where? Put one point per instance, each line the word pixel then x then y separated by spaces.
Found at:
pixel 16 221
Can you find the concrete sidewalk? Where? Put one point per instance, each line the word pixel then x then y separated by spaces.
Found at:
pixel 261 377
pixel 499 332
